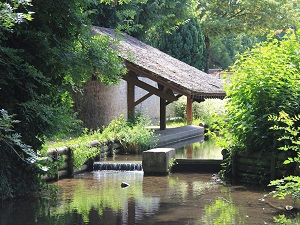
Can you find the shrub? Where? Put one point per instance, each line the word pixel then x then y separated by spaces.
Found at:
pixel 288 185
pixel 134 137
pixel 20 166
pixel 207 111
pixel 265 81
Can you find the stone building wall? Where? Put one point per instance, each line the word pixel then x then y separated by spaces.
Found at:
pixel 98 104
pixel 150 106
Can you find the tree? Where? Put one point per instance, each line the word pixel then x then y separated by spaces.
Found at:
pixel 140 18
pixel 43 59
pixel 12 12
pixel 185 43
pixel 40 61
pixel 226 48
pixel 220 17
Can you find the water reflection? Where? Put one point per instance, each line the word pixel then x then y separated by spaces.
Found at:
pixel 222 210
pixel 195 148
pixel 199 150
pixel 98 198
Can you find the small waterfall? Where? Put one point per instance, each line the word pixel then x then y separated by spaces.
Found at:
pixel 121 166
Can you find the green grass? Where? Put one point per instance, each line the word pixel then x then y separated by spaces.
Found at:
pixel 182 122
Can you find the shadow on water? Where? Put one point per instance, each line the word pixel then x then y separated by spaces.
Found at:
pixel 98 198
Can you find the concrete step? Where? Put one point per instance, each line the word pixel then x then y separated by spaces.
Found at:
pixel 178 134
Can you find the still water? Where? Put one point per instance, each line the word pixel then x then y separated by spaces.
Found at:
pixel 199 150
pixel 190 149
pixel 97 198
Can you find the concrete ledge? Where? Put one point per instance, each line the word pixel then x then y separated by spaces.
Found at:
pixel 176 134
pixel 157 161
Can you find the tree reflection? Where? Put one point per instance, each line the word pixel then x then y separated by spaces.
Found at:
pixel 222 211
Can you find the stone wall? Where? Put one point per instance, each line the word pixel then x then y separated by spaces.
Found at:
pixel 98 104
pixel 150 106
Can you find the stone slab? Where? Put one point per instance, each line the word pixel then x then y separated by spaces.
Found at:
pixel 157 161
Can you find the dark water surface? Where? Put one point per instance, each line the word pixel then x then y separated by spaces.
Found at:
pixel 98 198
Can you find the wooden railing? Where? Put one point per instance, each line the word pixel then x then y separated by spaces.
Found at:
pixel 258 167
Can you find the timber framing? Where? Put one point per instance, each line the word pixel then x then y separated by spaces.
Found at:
pixel 174 78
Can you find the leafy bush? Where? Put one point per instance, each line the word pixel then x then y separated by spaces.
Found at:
pixel 20 165
pixel 265 81
pixel 207 111
pixel 134 137
pixel 289 185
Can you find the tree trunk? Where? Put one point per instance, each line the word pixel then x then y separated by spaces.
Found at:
pixel 207 45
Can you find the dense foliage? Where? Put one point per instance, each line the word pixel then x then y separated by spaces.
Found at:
pixel 185 43
pixel 265 81
pixel 255 17
pixel 209 111
pixel 40 61
pixel 141 17
pixel 19 174
pixel 288 186
pixel 134 137
pixel 226 48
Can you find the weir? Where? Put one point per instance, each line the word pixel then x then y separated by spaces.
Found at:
pixel 171 138
pixel 120 166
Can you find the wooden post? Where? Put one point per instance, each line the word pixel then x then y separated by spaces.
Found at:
pixel 163 111
pixel 189 152
pixel 70 162
pixel 163 114
pixel 189 110
pixel 130 97
pixel 234 168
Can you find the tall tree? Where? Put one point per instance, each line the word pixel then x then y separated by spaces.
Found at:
pixel 238 16
pixel 42 59
pixel 185 43
pixel 140 17
pixel 226 48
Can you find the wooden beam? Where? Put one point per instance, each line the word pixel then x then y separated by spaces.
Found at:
pixel 177 96
pixel 189 110
pixel 167 95
pixel 142 99
pixel 151 76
